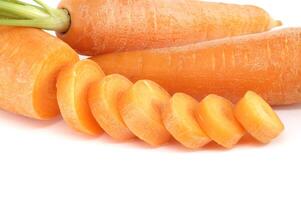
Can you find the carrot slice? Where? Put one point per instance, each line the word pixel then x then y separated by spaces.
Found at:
pixel 216 116
pixel 103 100
pixel 140 108
pixel 179 119
pixel 258 118
pixel 72 94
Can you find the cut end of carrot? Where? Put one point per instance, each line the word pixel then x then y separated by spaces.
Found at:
pixel 275 23
pixel 216 117
pixel 258 118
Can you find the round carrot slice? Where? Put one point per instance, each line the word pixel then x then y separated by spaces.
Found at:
pixel 103 100
pixel 72 94
pixel 140 108
pixel 179 119
pixel 216 116
pixel 258 118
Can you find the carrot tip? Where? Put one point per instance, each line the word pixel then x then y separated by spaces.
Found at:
pixel 275 23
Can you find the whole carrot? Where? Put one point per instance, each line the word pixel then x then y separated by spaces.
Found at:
pixel 267 63
pixel 94 27
pixel 30 61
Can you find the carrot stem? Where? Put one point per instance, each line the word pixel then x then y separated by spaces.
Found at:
pixel 19 13
pixel 8 15
pixel 45 6
pixel 20 2
pixel 19 10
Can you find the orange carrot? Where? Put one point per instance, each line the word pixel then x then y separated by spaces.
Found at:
pixel 267 63
pixel 140 108
pixel 122 108
pixel 179 119
pixel 103 100
pixel 72 94
pixel 258 118
pixel 216 117
pixel 30 61
pixel 105 26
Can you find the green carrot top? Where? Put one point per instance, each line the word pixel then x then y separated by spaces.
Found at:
pixel 38 15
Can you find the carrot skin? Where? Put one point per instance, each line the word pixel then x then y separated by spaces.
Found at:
pixel 106 26
pixel 267 63
pixel 30 61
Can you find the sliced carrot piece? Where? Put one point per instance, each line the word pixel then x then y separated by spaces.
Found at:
pixel 72 94
pixel 179 119
pixel 140 108
pixel 216 116
pixel 103 100
pixel 258 118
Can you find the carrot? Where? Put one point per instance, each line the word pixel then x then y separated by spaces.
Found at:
pixel 180 120
pixel 104 96
pixel 216 117
pixel 267 63
pixel 30 61
pixel 72 93
pixel 105 26
pixel 258 118
pixel 27 83
pixel 140 108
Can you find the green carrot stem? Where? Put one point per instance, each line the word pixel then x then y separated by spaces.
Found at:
pixel 19 13
pixel 45 6
pixel 8 15
pixel 19 10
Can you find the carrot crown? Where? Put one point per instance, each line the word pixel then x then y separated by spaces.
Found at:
pixel 38 15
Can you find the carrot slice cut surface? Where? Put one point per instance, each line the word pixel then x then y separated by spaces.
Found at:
pixel 258 118
pixel 103 100
pixel 72 94
pixel 216 116
pixel 179 119
pixel 140 108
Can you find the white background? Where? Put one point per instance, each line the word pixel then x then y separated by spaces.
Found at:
pixel 47 160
